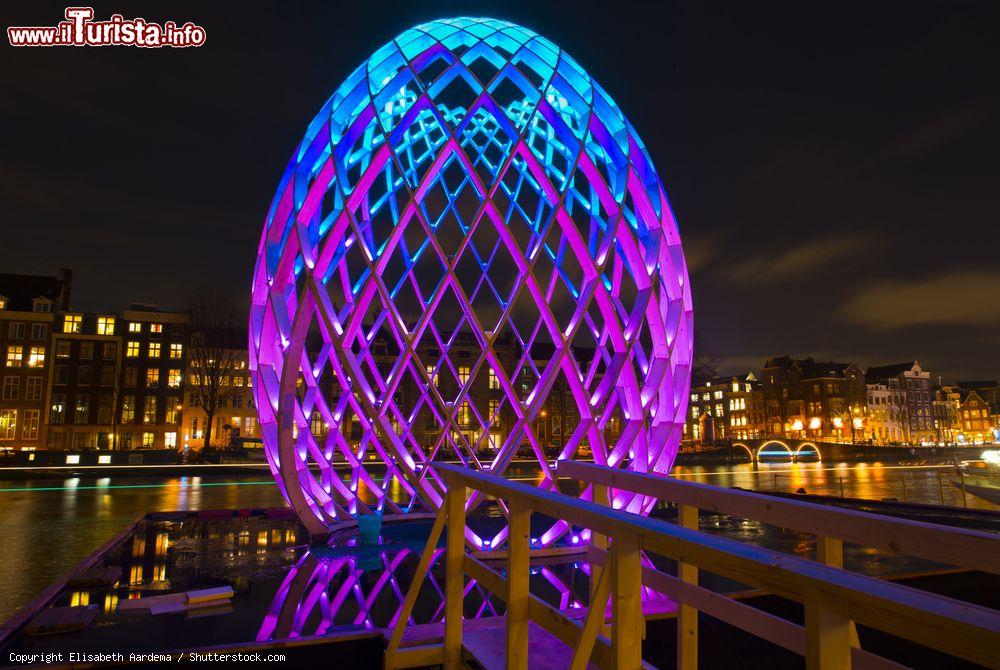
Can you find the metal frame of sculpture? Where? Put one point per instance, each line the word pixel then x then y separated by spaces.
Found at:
pixel 470 177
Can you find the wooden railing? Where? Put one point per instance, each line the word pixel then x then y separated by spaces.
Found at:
pixel 832 597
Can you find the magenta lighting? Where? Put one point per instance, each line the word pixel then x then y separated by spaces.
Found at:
pixel 468 186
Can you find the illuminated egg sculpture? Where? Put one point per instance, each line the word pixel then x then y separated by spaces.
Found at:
pixel 471 258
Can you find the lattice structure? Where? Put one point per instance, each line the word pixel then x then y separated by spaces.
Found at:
pixel 469 180
pixel 319 594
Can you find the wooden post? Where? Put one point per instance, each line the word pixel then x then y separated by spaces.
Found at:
pixel 941 486
pixel 841 487
pixel 599 541
pixel 687 616
pixel 828 631
pixel 454 576
pixel 626 601
pixel 830 551
pixel 517 585
pixel 965 500
pixel 904 488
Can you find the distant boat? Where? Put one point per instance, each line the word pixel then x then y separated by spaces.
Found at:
pixel 982 477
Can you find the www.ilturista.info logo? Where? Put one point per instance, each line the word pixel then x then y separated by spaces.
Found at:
pixel 80 30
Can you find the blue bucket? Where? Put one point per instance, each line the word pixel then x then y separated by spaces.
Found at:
pixel 370 527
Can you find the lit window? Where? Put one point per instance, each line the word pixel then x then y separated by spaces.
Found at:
pixel 72 323
pixel 8 424
pixel 156 327
pixel 134 327
pixel 105 325
pixel 176 350
pixel 428 368
pixel 152 377
pixel 15 356
pixel 147 439
pixel 154 349
pixel 128 408
pixel 132 349
pixel 72 459
pixel 174 379
pixel 36 358
pixel 170 439
pixel 463 374
pixel 3 302
pixel 149 410
pixel 104 459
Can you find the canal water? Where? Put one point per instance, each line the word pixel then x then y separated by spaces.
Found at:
pixel 47 525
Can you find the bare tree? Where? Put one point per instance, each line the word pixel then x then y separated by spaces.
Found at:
pixel 704 364
pixel 213 353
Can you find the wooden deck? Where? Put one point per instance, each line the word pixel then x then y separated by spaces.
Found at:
pixel 484 641
pixel 834 601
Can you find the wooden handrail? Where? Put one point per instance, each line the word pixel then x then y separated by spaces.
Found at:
pixel 953 627
pixel 960 547
pixel 832 597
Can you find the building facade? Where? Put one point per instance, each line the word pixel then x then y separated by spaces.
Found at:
pixel 885 414
pixel 154 361
pixel 725 408
pixel 28 306
pixel 915 382
pixel 83 390
pixel 815 400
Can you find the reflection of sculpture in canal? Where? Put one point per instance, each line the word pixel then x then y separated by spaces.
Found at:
pixel 348 588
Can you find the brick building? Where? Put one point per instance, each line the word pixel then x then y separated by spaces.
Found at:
pixel 83 389
pixel 915 383
pixel 28 306
pixel 816 400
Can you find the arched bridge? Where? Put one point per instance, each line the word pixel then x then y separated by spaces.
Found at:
pixel 782 449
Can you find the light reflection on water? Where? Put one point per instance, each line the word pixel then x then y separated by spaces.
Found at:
pixel 49 525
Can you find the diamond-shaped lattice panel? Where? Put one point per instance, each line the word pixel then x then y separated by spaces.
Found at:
pixel 469 230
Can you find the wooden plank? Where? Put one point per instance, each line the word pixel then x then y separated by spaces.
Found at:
pixel 953 627
pixel 418 656
pixel 971 549
pixel 556 622
pixel 600 541
pixel 105 576
pixel 757 622
pixel 828 631
pixel 411 595
pixel 546 651
pixel 626 600
pixel 61 620
pixel 687 615
pixel 594 623
pixel 519 523
pixel 454 576
pixel 205 595
pixel 830 551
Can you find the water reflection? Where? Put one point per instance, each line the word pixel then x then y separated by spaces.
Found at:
pixel 49 524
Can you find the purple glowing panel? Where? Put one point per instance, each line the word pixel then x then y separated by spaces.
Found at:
pixel 469 227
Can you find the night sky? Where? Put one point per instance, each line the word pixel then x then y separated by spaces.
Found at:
pixel 833 166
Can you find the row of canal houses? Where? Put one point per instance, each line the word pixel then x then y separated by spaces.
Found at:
pixel 802 398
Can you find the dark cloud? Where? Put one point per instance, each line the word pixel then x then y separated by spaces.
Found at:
pixel 781 264
pixel 961 299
